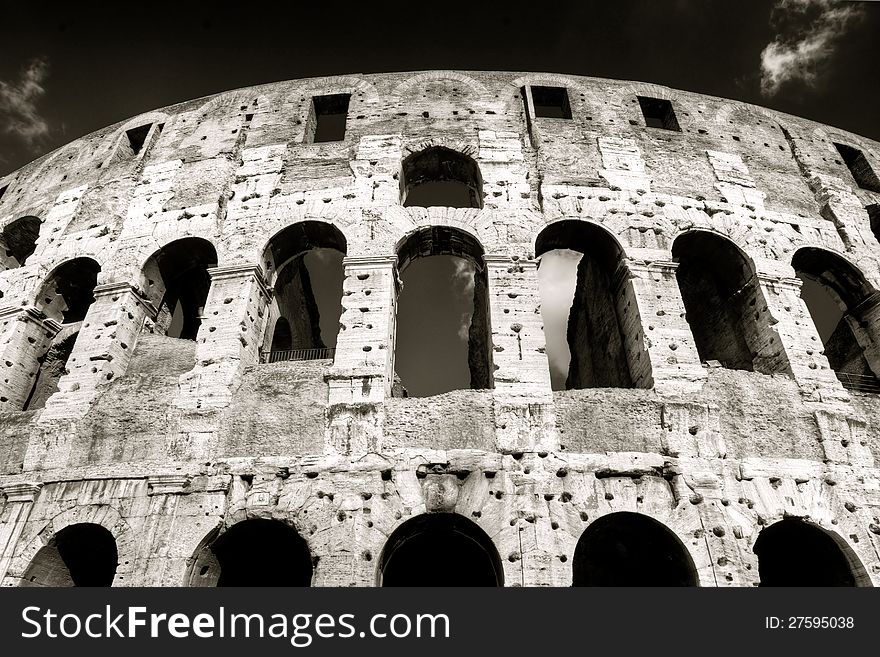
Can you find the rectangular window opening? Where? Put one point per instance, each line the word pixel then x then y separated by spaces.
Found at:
pixel 859 167
pixel 551 102
pixel 658 113
pixel 329 115
pixel 137 137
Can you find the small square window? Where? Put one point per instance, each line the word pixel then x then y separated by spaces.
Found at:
pixel 551 102
pixel 328 118
pixel 137 137
pixel 658 113
pixel 859 167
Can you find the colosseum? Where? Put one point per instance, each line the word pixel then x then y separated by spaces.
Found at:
pixel 176 413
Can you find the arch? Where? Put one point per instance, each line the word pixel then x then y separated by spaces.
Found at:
pixel 83 554
pixel 305 263
pixel 631 549
pixel 600 353
pixel 253 552
pixel 474 86
pixel 440 176
pixel 721 294
pixel 873 211
pixel 794 552
pixel 439 549
pixel 838 296
pixel 68 290
pixel 18 241
pixel 177 280
pixel 456 319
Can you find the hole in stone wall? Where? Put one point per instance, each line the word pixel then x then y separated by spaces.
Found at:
pixel 137 137
pixel 180 280
pixel 584 298
pixel 3 191
pixel 874 217
pixel 836 294
pixel 79 555
pixel 630 549
pixel 255 552
pixel 439 176
pixel 327 118
pixel 792 552
pixel 53 365
pixel 306 266
pixel 658 113
pixel 18 241
pixel 69 290
pixel 442 345
pixel 859 167
pixel 551 102
pixel 719 289
pixel 440 549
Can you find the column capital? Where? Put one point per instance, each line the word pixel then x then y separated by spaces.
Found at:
pixel 505 260
pixel 168 484
pixel 30 314
pixel 124 287
pixel 792 283
pixel 239 271
pixel 21 492
pixel 369 262
pixel 651 267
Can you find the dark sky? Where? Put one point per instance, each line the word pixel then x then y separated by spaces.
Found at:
pixel 106 61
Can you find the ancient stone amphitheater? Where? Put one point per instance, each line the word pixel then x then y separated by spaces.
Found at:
pixel 172 417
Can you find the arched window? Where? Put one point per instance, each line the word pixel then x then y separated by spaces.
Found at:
pixel 65 297
pixel 18 241
pixel 304 266
pixel 443 336
pixel 720 295
pixel 874 217
pixel 836 293
pixel 792 552
pixel 79 555
pixel 255 552
pixel 440 549
pixel 631 549
pixel 178 275
pixel 441 176
pixel 586 300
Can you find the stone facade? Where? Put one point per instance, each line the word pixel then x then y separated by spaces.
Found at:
pixel 169 443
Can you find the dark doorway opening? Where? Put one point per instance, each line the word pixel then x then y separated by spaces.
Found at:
pixel 79 555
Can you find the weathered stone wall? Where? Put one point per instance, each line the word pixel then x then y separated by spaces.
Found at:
pixel 166 442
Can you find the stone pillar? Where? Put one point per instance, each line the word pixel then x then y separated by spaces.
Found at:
pixel 798 338
pixel 667 338
pixel 523 399
pixel 229 337
pixel 25 336
pixel 363 368
pixel 102 351
pixel 864 320
pixel 13 516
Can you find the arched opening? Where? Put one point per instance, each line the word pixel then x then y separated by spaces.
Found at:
pixel 255 552
pixel 874 217
pixel 837 295
pixel 65 297
pixel 438 176
pixel 18 242
pixel 79 555
pixel 443 338
pixel 586 300
pixel 304 261
pixel 720 295
pixel 177 274
pixel 631 549
pixel 440 549
pixel 792 552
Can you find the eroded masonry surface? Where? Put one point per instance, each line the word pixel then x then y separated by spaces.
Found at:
pixel 174 413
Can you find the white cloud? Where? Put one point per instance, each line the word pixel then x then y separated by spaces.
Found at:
pixel 557 277
pixel 18 103
pixel 463 285
pixel 807 33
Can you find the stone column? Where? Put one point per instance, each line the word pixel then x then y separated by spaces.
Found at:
pixel 363 368
pixel 25 336
pixel 523 399
pixel 102 351
pixel 229 337
pixel 666 335
pixel 799 340
pixel 19 502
